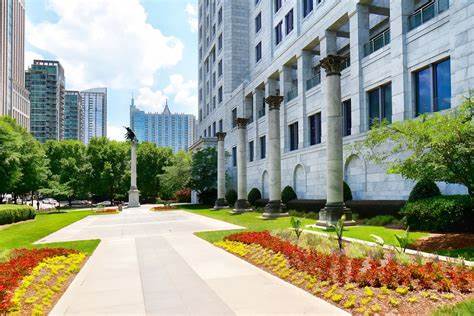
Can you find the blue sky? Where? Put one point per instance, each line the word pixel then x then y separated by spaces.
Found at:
pixel 147 47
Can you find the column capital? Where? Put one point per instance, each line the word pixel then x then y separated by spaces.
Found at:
pixel 241 122
pixel 332 64
pixel 220 136
pixel 274 102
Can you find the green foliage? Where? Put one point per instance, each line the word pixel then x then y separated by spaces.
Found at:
pixel 253 196
pixel 297 227
pixel 204 171
pixel 452 213
pixel 378 240
pixel 151 164
pixel 403 241
pixel 463 308
pixel 346 192
pixel 11 213
pixel 231 197
pixel 424 189
pixel 435 146
pixel 176 175
pixel 311 215
pixel 183 195
pixel 382 220
pixel 339 229
pixel 288 194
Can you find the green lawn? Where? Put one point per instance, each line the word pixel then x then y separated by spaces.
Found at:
pixel 252 222
pixel 466 253
pixel 23 235
pixel 464 308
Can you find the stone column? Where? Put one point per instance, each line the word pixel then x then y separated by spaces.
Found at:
pixel 220 202
pixel 334 208
pixel 241 205
pixel 133 194
pixel 274 207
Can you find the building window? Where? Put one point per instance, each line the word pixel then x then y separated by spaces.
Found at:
pixel 205 133
pixel 251 149
pixel 258 22
pixel 214 80
pixel 263 147
pixel 289 22
pixel 214 131
pixel 258 52
pixel 433 87
pixel 307 7
pixel 234 156
pixel 219 16
pixel 219 42
pixel 234 117
pixel 221 127
pixel 261 109
pixel 209 131
pixel 293 136
pixel 380 104
pixel 219 95
pixel 315 129
pixel 346 118
pixel 219 68
pixel 278 33
pixel 277 5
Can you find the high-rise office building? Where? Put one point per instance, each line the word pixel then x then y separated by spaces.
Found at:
pixel 73 116
pixel 165 129
pixel 94 103
pixel 45 81
pixel 14 99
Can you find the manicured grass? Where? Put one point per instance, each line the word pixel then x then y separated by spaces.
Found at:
pixel 23 235
pixel 252 222
pixel 466 253
pixel 464 308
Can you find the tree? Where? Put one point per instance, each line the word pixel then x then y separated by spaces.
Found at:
pixel 70 167
pixel 176 176
pixel 151 163
pixel 109 176
pixel 10 143
pixel 436 147
pixel 204 170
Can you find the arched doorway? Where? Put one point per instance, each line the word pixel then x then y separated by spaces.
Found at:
pixel 355 176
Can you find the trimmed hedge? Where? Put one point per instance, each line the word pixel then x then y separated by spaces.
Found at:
pixel 11 213
pixel 253 196
pixel 308 206
pixel 424 189
pixel 346 192
pixel 450 213
pixel 288 194
pixel 371 208
pixel 231 197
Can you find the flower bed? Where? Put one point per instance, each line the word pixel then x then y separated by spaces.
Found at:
pixel 163 208
pixel 20 265
pixel 361 285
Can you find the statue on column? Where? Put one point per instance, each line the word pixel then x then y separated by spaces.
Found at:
pixel 133 194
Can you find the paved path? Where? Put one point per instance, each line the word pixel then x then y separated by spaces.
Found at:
pixel 151 263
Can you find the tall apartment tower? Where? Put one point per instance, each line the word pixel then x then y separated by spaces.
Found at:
pixel 73 116
pixel 94 103
pixel 166 129
pixel 401 59
pixel 223 58
pixel 45 82
pixel 14 99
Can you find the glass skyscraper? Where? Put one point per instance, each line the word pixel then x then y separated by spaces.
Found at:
pixel 94 103
pixel 166 129
pixel 73 116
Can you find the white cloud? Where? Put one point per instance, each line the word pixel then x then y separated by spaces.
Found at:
pixel 192 14
pixel 182 94
pixel 115 133
pixel 105 43
pixel 30 57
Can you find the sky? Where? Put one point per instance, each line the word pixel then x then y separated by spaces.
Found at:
pixel 147 48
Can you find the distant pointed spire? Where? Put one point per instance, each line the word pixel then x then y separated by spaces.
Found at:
pixel 133 99
pixel 166 110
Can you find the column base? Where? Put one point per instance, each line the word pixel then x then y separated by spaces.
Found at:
pixel 133 198
pixel 274 209
pixel 241 206
pixel 220 204
pixel 331 213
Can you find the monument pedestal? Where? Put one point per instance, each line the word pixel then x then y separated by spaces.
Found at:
pixel 133 198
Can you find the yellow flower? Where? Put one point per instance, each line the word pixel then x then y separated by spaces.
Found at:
pixel 394 302
pixel 403 290
pixel 368 291
pixel 337 297
pixel 448 296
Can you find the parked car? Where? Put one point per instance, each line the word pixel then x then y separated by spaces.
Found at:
pixel 104 203
pixel 50 201
pixel 81 203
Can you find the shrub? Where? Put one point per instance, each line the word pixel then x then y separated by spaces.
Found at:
pixel 253 196
pixel 371 208
pixel 15 213
pixel 346 191
pixel 381 220
pixel 183 195
pixel 231 197
pixel 288 194
pixel 208 197
pixel 424 189
pixel 452 213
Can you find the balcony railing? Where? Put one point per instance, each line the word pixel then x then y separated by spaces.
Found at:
pixel 314 81
pixel 377 42
pixel 427 12
pixel 291 94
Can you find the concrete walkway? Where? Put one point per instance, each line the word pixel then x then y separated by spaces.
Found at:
pixel 151 263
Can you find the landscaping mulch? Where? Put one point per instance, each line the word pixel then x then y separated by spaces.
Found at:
pixel 164 208
pixel 436 242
